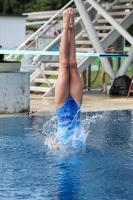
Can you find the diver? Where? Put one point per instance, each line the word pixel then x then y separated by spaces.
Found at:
pixel 69 89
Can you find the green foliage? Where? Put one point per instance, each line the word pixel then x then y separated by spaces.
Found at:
pixel 1 6
pixel 24 6
pixel 109 1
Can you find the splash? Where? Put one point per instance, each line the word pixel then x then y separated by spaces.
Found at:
pixel 76 142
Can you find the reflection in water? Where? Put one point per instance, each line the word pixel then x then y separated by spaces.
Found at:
pixel 30 170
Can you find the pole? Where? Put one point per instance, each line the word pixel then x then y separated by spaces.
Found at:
pixel 93 37
pixel 111 20
pixel 127 61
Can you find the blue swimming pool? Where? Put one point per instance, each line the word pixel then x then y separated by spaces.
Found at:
pixel 103 171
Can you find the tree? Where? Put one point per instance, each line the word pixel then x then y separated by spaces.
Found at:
pixel 109 1
pixel 23 6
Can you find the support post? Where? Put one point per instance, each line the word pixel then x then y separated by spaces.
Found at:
pixel 132 69
pixel 93 37
pixel 127 61
pixel 111 20
pixel 119 48
pixel 89 77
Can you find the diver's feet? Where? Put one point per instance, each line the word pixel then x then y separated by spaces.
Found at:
pixel 55 144
pixel 71 11
pixel 66 19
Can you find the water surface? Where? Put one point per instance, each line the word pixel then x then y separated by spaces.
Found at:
pixel 104 170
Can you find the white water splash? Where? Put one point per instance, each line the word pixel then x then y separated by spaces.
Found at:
pixel 76 142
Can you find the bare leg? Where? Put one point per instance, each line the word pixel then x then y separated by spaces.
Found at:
pixel 84 79
pixel 103 77
pixel 76 88
pixel 62 86
pixel 110 61
pixel 103 72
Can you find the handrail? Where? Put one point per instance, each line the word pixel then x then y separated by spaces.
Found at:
pixel 36 38
pixel 112 21
pixel 36 58
pixel 35 34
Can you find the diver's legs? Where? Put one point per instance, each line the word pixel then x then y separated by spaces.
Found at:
pixel 62 86
pixel 103 77
pixel 76 88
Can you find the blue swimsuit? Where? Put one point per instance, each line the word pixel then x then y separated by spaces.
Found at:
pixel 69 128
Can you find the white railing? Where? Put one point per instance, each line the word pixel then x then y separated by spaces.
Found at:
pixel 41 28
pixel 32 37
pixel 36 58
pixel 113 22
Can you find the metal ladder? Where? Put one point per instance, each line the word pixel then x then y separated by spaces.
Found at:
pixel 47 71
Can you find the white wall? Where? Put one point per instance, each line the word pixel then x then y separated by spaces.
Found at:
pixel 12 31
pixel 14 92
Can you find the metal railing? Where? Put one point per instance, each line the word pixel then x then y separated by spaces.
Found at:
pixel 118 60
pixel 22 46
pixel 41 28
pixel 57 39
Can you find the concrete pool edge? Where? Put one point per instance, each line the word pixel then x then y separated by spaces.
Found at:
pixel 91 103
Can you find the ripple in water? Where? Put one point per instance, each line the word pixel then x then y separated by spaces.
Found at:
pixel 31 170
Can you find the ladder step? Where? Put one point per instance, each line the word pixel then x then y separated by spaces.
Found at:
pixel 83 42
pixel 99 34
pixel 52 64
pixel 49 64
pixel 55 64
pixel 83 49
pixel 117 13
pixel 120 7
pixel 105 21
pixel 84 35
pixel 102 34
pixel 39 89
pixel 42 80
pixel 51 72
pixel 101 27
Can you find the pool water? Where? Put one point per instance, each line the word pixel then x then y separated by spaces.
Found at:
pixel 103 171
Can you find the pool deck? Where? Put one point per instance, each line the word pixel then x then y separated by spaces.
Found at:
pixel 92 101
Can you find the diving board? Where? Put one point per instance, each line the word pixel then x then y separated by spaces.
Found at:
pixel 56 53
